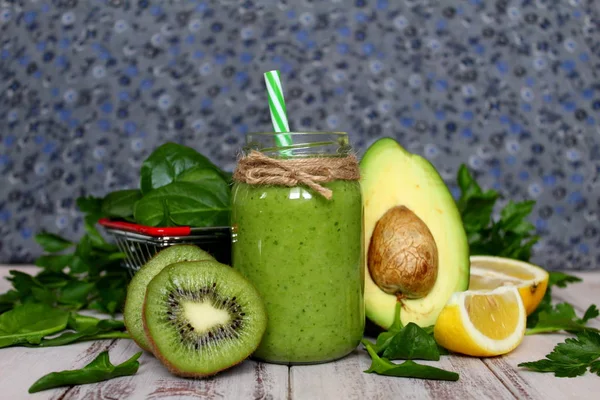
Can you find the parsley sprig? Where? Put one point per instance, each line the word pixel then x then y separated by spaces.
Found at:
pixel 571 358
pixel 510 236
pixel 548 317
pixel 73 276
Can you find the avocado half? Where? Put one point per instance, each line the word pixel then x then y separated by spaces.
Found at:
pixel 393 178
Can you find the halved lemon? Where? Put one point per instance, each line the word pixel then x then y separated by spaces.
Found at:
pixel 489 272
pixel 482 323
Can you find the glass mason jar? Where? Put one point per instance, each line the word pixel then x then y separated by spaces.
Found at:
pixel 304 254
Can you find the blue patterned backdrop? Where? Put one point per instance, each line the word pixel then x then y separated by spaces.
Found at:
pixel 89 88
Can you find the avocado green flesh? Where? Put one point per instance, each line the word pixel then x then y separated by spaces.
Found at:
pixel 391 176
pixel 187 301
pixel 136 291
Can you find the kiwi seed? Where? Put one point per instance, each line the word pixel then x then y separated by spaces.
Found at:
pixel 202 317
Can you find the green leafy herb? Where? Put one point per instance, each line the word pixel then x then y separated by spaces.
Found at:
pixel 562 317
pixel 384 338
pixel 54 262
pixel 100 369
pixel 167 162
pixel 29 323
pixel 183 203
pixel 571 358
pixel 120 204
pixel 8 300
pixel 75 293
pixel 510 236
pixel 87 329
pixel 209 179
pixel 52 243
pixel 560 279
pixel 591 313
pixel 89 277
pixel 409 342
pixel 412 343
pixel 408 369
pixel 79 322
pixel 91 206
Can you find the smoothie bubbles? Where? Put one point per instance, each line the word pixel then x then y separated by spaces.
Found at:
pixel 297 236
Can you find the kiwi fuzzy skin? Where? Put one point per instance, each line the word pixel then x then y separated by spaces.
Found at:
pixel 172 368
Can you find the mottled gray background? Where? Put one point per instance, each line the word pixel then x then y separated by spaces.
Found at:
pixel 89 88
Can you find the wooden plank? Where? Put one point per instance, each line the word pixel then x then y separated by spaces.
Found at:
pixel 481 379
pixel 249 380
pixel 345 379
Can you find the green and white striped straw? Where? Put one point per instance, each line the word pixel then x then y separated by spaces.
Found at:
pixel 277 108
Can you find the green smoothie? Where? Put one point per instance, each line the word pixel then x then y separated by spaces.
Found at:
pixel 304 255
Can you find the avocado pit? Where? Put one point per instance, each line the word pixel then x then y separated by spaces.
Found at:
pixel 403 256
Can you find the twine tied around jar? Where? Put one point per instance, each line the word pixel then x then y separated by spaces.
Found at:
pixel 259 169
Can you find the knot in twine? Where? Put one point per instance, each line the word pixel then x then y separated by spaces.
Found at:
pixel 258 169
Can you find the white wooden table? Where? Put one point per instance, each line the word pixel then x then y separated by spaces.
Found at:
pixel 492 378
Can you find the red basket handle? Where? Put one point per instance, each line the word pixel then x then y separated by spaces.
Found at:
pixel 146 230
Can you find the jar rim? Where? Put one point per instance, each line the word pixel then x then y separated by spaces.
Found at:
pixel 298 133
pixel 302 144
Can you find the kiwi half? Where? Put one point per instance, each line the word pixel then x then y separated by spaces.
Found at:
pixel 202 317
pixel 136 291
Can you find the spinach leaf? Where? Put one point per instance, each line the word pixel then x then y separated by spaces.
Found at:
pixel 100 369
pixel 408 369
pixel 120 204
pixel 109 328
pixel 29 323
pixel 210 179
pixel 8 300
pixel 169 161
pixel 407 342
pixel 92 206
pixel 186 204
pixel 52 243
pixel 384 338
pixel 79 322
pixel 412 343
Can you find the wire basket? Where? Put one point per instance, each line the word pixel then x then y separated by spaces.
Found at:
pixel 140 243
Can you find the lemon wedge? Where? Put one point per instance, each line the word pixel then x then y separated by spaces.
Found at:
pixel 482 323
pixel 489 272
